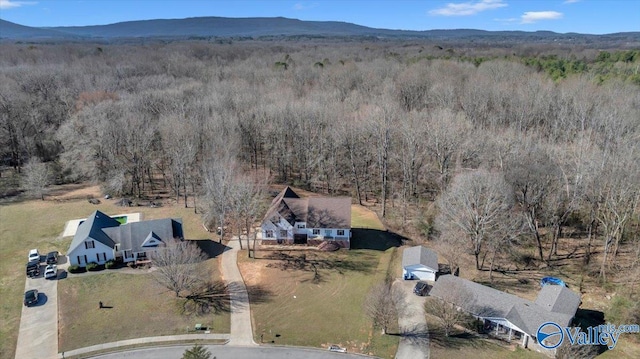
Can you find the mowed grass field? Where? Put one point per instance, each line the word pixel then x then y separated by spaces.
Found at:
pixel 39 224
pixel 136 307
pixel 298 308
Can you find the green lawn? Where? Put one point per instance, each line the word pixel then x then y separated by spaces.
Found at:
pixel 137 307
pixel 39 224
pixel 361 217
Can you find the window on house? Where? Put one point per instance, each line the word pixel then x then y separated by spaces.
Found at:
pixel 316 231
pixel 341 232
pixel 283 233
pixel 269 233
pixel 89 245
pixel 301 226
pixel 327 232
pixel 142 255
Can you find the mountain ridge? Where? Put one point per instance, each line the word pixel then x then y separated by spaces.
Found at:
pixel 256 27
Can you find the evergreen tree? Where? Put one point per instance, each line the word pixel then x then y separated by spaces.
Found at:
pixel 197 352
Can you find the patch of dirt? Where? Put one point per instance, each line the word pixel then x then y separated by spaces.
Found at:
pixel 74 191
pixel 252 272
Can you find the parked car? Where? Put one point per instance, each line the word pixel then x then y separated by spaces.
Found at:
pixel 31 297
pixel 51 271
pixel 52 257
pixel 335 348
pixel 421 288
pixel 34 255
pixel 33 268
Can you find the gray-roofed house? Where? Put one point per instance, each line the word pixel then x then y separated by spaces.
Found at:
pixel 294 220
pixel 419 263
pixel 101 238
pixel 506 315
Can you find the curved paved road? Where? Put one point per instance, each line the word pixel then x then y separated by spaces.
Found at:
pixel 230 352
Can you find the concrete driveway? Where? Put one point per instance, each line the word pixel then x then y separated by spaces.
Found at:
pixel 38 336
pixel 414 343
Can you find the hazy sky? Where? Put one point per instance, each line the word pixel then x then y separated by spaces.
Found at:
pixel 584 16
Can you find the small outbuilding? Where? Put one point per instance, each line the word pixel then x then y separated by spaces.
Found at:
pixel 419 263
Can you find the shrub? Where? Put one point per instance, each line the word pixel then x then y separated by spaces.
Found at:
pixel 76 269
pixel 93 266
pixel 110 264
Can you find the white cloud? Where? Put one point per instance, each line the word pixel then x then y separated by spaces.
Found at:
pixel 570 1
pixel 10 4
pixel 304 6
pixel 531 17
pixel 468 8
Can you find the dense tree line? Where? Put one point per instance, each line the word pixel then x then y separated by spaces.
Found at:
pixel 387 122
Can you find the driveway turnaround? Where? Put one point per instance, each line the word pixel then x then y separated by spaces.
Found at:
pixel 230 352
pixel 38 335
pixel 241 330
pixel 414 343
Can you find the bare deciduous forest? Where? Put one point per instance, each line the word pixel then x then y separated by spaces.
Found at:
pixel 495 152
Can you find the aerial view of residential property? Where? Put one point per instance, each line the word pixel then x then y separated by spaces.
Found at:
pixel 267 179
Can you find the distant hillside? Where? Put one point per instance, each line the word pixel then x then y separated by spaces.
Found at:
pixel 11 30
pixel 270 27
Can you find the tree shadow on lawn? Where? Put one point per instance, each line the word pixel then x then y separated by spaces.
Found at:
pixel 215 297
pixel 362 262
pixel 374 239
pixel 455 340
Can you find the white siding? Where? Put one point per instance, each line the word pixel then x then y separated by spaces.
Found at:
pixel 420 272
pixel 92 254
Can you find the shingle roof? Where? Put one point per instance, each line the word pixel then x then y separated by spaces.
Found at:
pixel 317 212
pixel 487 302
pixel 329 212
pixel 92 228
pixel 558 299
pixel 420 255
pixel 133 235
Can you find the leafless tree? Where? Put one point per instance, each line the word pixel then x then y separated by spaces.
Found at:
pixel 449 314
pixel 475 204
pixel 380 305
pixel 532 174
pixel 37 178
pixel 177 266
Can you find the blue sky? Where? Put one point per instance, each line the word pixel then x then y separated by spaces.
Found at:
pixel 583 16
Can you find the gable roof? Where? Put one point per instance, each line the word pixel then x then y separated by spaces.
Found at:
pixel 420 255
pixel 317 212
pixel 132 236
pixel 287 192
pixel 558 299
pixel 487 302
pixel 329 212
pixel 92 227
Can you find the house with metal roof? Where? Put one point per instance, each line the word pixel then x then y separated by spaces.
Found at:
pixel 292 219
pixel 101 238
pixel 506 315
pixel 419 263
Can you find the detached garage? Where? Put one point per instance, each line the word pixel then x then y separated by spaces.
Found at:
pixel 419 263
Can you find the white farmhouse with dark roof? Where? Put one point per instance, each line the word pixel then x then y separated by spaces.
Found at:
pixel 419 263
pixel 507 315
pixel 294 220
pixel 101 238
